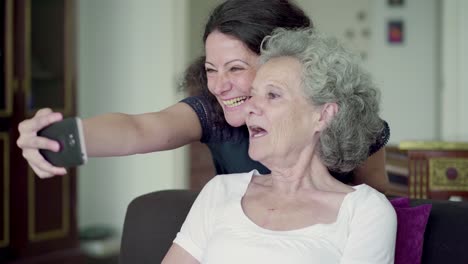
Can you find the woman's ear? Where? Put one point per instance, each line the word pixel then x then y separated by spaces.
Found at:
pixel 327 114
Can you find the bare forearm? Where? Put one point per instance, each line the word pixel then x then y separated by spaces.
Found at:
pixel 118 134
pixel 109 135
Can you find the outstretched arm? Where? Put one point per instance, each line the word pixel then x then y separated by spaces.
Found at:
pixel 113 134
pixel 118 134
pixel 373 172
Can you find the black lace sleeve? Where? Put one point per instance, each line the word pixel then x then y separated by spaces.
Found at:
pixel 203 110
pixel 212 131
pixel 382 140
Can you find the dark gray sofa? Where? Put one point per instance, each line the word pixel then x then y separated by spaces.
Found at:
pixel 153 219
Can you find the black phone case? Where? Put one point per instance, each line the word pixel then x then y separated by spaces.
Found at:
pixel 67 134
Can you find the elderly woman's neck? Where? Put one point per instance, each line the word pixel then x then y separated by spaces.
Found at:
pixel 303 174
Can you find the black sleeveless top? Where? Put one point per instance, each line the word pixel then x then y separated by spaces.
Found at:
pixel 229 145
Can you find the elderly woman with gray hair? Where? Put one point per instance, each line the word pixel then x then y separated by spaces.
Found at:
pixel 313 109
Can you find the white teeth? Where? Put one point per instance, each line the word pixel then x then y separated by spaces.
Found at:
pixel 235 101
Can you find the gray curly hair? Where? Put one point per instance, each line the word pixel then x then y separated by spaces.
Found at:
pixel 332 74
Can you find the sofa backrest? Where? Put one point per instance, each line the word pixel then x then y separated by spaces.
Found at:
pixel 446 235
pixel 151 223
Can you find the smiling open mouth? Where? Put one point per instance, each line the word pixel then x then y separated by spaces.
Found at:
pixel 235 101
pixel 256 131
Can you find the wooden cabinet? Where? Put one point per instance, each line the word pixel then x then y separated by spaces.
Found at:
pixel 37 216
pixel 437 170
pixel 428 170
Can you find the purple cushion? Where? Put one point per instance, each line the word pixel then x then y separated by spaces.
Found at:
pixel 411 224
pixel 400 202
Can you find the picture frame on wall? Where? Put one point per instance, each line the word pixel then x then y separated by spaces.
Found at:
pixel 395 32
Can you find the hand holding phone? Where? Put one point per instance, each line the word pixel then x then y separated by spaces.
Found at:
pixel 69 134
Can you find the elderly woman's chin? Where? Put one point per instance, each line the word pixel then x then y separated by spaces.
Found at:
pixel 257 154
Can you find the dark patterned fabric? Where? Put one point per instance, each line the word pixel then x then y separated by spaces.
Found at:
pixel 229 145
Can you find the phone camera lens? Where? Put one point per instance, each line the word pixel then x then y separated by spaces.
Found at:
pixel 71 140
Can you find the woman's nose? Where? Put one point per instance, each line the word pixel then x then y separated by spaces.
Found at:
pixel 222 84
pixel 252 106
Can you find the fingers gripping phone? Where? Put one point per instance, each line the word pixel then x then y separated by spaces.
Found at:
pixel 69 134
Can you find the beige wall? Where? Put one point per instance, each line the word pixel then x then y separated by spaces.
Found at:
pixel 198 15
pixel 454 66
pixel 408 75
pixel 423 82
pixel 130 54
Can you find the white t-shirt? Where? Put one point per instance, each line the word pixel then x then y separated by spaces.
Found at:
pixel 217 231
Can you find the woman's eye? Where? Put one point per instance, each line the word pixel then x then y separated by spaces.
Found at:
pixel 236 69
pixel 272 95
pixel 208 70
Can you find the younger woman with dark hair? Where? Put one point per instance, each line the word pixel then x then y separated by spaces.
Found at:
pixel 222 81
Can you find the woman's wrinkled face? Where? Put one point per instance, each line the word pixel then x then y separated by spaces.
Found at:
pixel 230 68
pixel 281 121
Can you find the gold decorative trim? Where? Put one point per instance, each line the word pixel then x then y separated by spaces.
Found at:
pixel 417 181
pixel 438 178
pixel 416 178
pixel 6 190
pixel 424 176
pixel 51 234
pixel 411 178
pixel 8 62
pixel 433 145
pixel 68 76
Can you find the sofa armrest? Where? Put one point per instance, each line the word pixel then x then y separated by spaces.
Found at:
pixel 151 223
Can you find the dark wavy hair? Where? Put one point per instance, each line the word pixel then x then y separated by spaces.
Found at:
pixel 250 21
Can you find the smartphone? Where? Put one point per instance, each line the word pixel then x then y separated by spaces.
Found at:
pixel 69 134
